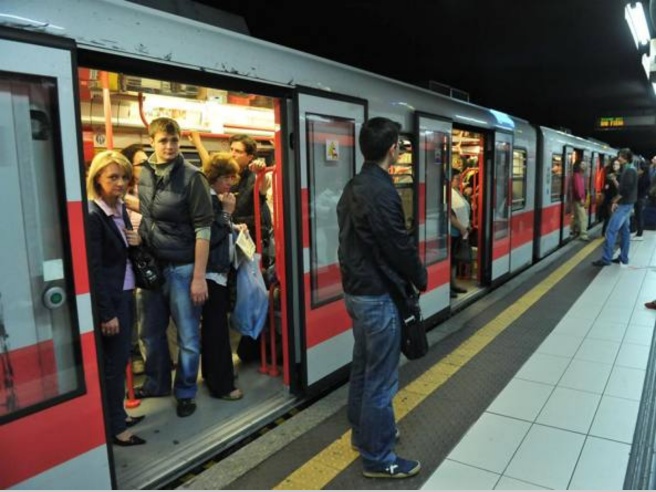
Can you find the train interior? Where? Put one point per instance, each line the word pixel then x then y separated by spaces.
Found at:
pixel 217 424
pixel 467 155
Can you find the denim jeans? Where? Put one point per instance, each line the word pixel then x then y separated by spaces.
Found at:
pixel 619 222
pixel 374 376
pixel 173 299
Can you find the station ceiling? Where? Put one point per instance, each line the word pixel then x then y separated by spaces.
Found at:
pixel 559 63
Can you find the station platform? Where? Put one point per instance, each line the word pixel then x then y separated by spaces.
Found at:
pixel 537 385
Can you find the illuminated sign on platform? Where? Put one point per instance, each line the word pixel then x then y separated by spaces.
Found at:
pixel 619 122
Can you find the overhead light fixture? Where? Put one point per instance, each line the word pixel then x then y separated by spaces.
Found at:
pixel 634 13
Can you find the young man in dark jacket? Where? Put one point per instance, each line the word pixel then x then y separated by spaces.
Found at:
pixel 621 208
pixel 379 264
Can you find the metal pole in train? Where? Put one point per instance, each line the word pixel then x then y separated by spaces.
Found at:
pixel 107 107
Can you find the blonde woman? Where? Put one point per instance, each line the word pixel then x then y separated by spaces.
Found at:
pixel 113 280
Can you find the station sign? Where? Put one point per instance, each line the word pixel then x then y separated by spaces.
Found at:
pixel 619 122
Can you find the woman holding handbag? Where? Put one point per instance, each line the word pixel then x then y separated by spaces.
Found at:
pixel 113 281
pixel 222 172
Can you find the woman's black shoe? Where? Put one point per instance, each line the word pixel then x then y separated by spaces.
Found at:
pixel 133 441
pixel 134 420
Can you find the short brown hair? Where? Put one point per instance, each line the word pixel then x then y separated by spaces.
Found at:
pixel 164 125
pixel 220 164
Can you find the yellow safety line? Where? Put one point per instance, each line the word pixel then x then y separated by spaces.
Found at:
pixel 331 461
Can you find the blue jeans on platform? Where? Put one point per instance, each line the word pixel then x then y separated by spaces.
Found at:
pixel 619 222
pixel 173 299
pixel 374 376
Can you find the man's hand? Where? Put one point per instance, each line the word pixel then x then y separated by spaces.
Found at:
pixel 198 291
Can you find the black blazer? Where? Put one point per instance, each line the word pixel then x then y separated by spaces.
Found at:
pixel 108 255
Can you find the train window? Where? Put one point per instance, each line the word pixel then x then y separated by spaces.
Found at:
pixel 331 163
pixel 434 151
pixel 556 177
pixel 519 179
pixel 40 357
pixel 403 176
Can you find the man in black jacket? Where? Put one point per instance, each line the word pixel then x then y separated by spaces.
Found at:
pixel 380 265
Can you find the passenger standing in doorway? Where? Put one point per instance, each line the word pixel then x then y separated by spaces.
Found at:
pixel 460 213
pixel 611 184
pixel 379 264
pixel 579 198
pixel 113 281
pixel 177 214
pixel 222 172
pixel 621 212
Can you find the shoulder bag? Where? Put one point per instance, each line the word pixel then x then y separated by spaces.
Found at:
pixel 414 343
pixel 147 272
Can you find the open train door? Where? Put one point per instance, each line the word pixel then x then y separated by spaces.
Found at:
pixel 433 156
pixel 48 366
pixel 567 208
pixel 328 155
pixel 498 206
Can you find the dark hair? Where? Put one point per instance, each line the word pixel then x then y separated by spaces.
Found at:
pixel 131 150
pixel 576 167
pixel 626 154
pixel 250 145
pixel 377 135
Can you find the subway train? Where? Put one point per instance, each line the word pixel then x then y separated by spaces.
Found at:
pixel 81 76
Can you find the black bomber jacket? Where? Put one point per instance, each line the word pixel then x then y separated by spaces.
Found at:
pixel 377 255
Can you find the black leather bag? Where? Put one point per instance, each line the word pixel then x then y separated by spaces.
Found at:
pixel 463 251
pixel 147 273
pixel 414 343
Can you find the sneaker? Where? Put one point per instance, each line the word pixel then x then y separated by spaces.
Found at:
pixel 650 305
pixel 401 468
pixel 637 238
pixel 600 263
pixel 616 260
pixel 584 238
pixel 186 406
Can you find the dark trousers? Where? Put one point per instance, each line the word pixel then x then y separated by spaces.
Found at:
pixel 638 217
pixel 216 355
pixel 116 352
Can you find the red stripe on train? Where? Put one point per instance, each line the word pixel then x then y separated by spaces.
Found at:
pixel 78 247
pixel 53 436
pixel 550 219
pixel 522 228
pixel 34 374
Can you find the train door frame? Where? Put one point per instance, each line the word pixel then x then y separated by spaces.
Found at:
pixel 39 55
pixel 436 300
pixel 565 194
pixel 325 356
pixel 498 247
pixel 154 70
pixel 591 187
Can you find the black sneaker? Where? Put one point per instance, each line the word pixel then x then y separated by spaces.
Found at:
pixel 615 260
pixel 186 406
pixel 401 468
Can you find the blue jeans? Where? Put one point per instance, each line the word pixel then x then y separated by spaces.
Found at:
pixel 619 222
pixel 173 299
pixel 374 376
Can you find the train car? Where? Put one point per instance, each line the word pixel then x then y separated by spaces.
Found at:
pixel 558 152
pixel 83 76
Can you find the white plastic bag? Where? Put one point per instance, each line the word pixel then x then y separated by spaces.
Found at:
pixel 252 299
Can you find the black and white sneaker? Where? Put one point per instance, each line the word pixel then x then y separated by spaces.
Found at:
pixel 401 468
